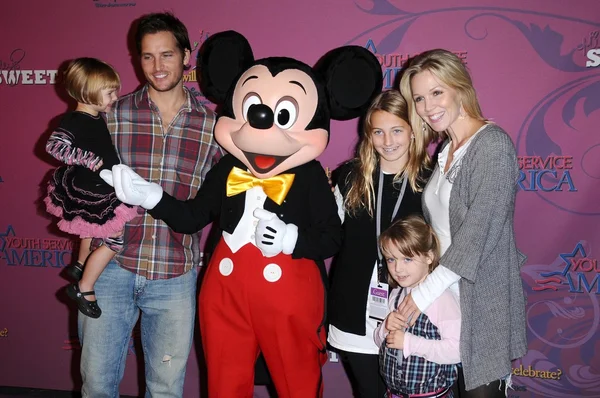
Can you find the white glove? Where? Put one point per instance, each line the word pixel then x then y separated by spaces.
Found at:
pixel 273 236
pixel 131 188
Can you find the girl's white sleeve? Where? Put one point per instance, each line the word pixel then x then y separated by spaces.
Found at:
pixel 433 286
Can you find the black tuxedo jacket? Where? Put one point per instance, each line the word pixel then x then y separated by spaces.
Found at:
pixel 309 204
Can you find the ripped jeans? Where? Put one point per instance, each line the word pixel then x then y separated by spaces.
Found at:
pixel 168 309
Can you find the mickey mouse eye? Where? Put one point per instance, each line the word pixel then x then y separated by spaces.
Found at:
pixel 249 100
pixel 286 113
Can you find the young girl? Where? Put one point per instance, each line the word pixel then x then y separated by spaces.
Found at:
pixel 383 183
pixel 420 360
pixel 86 205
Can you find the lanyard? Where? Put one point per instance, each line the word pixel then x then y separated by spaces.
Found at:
pixel 378 215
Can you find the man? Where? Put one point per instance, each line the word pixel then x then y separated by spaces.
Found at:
pixel 165 135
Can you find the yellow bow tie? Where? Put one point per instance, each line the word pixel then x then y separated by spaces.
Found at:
pixel 275 187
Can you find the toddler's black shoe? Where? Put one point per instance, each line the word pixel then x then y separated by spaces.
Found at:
pixel 89 308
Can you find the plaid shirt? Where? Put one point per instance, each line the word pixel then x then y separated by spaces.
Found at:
pixel 177 159
pixel 415 374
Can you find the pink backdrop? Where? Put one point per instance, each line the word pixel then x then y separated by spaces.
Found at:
pixel 535 65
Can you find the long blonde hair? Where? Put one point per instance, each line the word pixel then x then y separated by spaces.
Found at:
pixel 361 192
pixel 449 70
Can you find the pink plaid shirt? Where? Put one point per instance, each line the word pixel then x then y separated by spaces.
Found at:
pixel 177 159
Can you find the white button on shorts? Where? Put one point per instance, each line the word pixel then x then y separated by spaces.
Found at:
pixel 226 266
pixel 272 272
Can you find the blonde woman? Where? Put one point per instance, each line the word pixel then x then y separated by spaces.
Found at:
pixel 470 202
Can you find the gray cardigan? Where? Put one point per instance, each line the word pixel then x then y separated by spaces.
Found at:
pixel 484 254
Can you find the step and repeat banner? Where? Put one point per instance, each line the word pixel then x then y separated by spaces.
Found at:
pixel 536 67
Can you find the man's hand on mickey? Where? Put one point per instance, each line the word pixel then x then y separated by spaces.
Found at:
pixel 272 235
pixel 132 189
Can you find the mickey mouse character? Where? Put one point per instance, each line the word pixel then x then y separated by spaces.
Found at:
pixel 264 287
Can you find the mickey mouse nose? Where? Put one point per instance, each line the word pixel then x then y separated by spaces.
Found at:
pixel 260 116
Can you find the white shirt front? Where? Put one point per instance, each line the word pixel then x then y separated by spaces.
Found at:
pixel 437 193
pixel 244 231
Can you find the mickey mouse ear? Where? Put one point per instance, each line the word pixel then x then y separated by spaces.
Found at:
pixel 222 58
pixel 352 77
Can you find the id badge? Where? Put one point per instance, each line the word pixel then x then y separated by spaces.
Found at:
pixel 378 301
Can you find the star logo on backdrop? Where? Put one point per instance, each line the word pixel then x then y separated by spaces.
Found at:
pixel 555 276
pixel 9 232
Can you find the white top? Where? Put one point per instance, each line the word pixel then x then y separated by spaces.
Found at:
pixel 437 200
pixel 437 193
